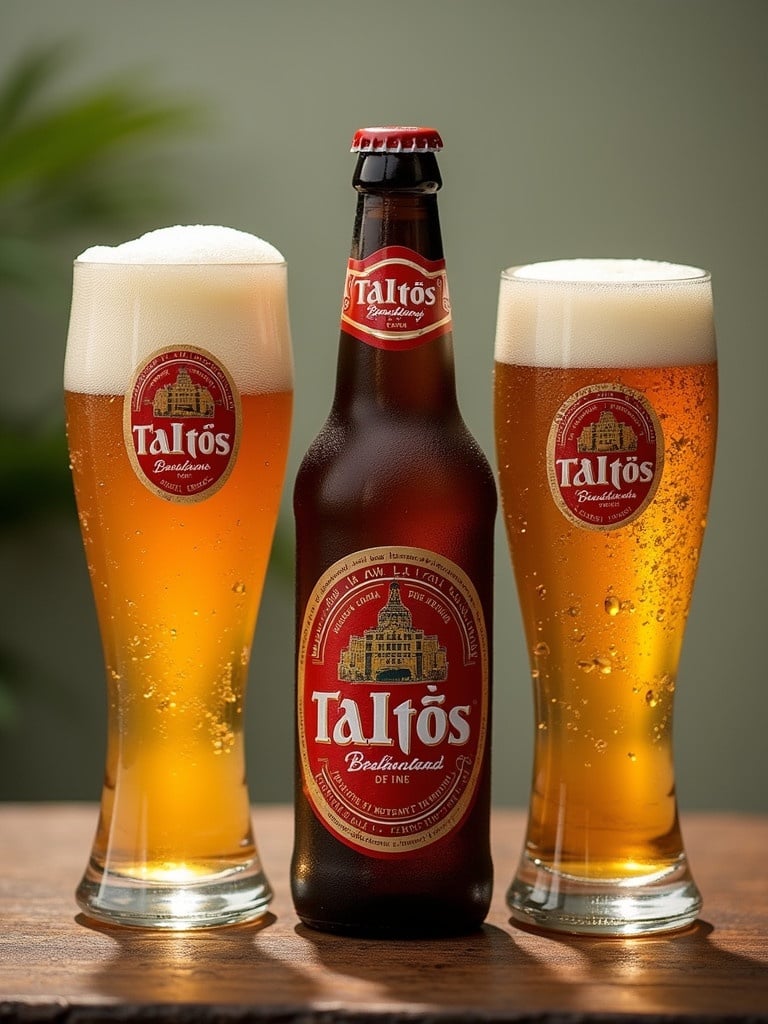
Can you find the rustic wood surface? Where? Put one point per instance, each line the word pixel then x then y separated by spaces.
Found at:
pixel 55 965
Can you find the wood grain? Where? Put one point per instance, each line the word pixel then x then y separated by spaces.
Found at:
pixel 55 965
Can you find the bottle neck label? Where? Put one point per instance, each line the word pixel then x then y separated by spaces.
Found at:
pixel 396 299
pixel 181 424
pixel 392 699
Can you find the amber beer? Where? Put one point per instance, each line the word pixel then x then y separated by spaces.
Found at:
pixel 178 397
pixel 605 411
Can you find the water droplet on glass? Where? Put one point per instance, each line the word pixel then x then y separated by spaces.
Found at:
pixel 541 650
pixel 651 699
pixel 601 746
pixel 541 591
pixel 239 588
pixel 612 605
pixel 585 666
pixel 631 756
pixel 660 615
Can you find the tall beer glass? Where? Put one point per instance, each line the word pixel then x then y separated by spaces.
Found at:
pixel 178 381
pixel 605 412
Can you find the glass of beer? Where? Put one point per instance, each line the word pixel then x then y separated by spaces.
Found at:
pixel 178 380
pixel 605 416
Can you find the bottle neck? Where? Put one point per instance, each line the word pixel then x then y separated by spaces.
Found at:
pixel 397 206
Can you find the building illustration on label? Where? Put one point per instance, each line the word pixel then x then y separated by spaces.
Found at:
pixel 183 398
pixel 607 434
pixel 393 651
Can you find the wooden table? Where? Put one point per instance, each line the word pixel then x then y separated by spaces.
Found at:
pixel 57 966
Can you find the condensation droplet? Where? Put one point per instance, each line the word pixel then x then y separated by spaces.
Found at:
pixel 541 591
pixel 660 614
pixel 601 746
pixel 239 587
pixel 651 699
pixel 585 666
pixel 574 610
pixel 603 666
pixel 541 650
pixel 612 605
pixel 631 756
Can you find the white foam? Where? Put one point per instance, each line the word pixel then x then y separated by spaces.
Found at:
pixel 187 243
pixel 226 293
pixel 605 313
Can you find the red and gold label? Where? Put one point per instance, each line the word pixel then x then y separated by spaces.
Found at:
pixel 392 699
pixel 605 456
pixel 396 299
pixel 182 424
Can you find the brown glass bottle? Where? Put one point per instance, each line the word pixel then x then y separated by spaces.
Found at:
pixel 395 506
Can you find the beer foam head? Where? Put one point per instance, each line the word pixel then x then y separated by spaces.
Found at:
pixel 605 313
pixel 214 288
pixel 184 244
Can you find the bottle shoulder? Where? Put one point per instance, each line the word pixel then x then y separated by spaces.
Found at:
pixel 366 458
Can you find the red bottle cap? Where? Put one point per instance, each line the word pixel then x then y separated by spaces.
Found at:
pixel 396 139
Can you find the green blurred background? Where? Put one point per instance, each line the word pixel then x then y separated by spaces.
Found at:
pixel 571 127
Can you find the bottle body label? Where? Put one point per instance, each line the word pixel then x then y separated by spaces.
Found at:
pixel 605 456
pixel 392 699
pixel 181 424
pixel 396 299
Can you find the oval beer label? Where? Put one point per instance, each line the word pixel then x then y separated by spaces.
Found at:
pixel 392 699
pixel 605 456
pixel 181 424
pixel 396 299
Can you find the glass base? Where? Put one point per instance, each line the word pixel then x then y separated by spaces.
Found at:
pixel 230 896
pixel 548 899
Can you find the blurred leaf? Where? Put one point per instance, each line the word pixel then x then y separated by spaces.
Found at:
pixel 74 164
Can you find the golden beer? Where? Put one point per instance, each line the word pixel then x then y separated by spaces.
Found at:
pixel 177 568
pixel 604 572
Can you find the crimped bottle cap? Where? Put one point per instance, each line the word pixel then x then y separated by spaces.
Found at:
pixel 396 139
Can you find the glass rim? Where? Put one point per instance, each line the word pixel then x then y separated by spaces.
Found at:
pixel 575 273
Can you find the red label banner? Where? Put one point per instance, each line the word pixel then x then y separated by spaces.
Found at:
pixel 396 299
pixel 182 424
pixel 605 456
pixel 393 699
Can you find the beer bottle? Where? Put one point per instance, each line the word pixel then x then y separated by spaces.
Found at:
pixel 395 506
